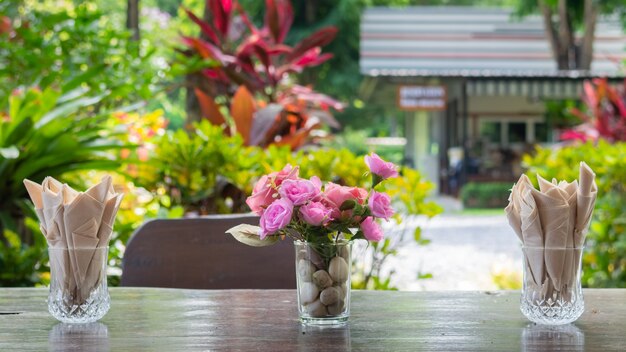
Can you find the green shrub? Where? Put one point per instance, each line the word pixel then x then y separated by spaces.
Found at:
pixel 605 254
pixel 486 195
pixel 71 45
pixel 194 167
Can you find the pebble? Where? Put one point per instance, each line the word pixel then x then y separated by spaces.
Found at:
pixel 336 308
pixel 330 296
pixel 343 289
pixel 311 255
pixel 305 270
pixel 316 309
pixel 315 258
pixel 343 252
pixel 338 269
pixel 308 292
pixel 322 279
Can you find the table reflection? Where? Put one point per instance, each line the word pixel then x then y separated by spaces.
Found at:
pixel 79 337
pixel 553 338
pixel 333 337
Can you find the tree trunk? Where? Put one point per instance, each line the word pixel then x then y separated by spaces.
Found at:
pixel 567 47
pixel 132 17
pixel 551 33
pixel 586 48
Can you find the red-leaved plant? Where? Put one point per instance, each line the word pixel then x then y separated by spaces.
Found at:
pixel 252 74
pixel 605 116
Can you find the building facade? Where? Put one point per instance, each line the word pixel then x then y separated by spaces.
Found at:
pixel 498 73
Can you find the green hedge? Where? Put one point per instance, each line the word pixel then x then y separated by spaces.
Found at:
pixel 605 254
pixel 486 195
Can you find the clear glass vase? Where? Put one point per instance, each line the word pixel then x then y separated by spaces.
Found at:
pixel 552 293
pixel 78 284
pixel 323 280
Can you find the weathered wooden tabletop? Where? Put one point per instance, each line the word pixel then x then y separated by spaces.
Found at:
pixel 149 319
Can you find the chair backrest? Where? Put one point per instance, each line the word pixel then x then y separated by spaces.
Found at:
pixel 196 253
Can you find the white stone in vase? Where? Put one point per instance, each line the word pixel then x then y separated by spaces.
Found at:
pixel 343 252
pixel 330 295
pixel 336 308
pixel 343 288
pixel 315 258
pixel 338 269
pixel 308 292
pixel 316 309
pixel 322 279
pixel 306 270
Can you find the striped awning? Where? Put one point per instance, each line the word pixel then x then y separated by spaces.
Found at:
pixel 547 88
pixel 542 89
pixel 473 42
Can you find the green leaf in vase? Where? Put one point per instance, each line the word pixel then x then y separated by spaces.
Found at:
pixel 348 204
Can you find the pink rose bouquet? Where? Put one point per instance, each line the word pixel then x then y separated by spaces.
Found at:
pixel 310 211
pixel 322 219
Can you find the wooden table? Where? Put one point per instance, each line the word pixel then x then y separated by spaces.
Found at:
pixel 148 319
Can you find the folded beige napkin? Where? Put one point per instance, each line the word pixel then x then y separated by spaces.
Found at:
pixel 76 223
pixel 548 222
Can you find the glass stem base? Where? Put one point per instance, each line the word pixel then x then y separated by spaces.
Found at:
pixel 338 320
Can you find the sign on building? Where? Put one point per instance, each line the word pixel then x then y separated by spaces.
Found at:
pixel 415 98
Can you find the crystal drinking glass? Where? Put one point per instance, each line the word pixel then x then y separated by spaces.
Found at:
pixel 78 284
pixel 551 292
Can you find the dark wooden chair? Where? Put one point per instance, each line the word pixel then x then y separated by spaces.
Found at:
pixel 196 253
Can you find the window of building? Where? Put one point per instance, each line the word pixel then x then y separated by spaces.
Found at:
pixel 517 132
pixel 492 131
pixel 513 131
pixel 541 132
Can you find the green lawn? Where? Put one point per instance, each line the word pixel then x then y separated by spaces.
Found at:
pixel 480 211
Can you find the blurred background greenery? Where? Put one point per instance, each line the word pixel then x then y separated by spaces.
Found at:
pixel 80 97
pixel 82 94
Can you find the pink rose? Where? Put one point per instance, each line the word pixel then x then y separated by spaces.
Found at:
pixel 300 191
pixel 371 229
pixel 335 195
pixel 380 205
pixel 380 167
pixel 315 213
pixel 287 173
pixel 262 195
pixel 275 217
pixel 264 192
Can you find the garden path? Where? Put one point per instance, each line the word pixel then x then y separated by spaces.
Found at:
pixel 464 254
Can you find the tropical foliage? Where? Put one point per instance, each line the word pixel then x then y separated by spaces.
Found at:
pixel 604 116
pixel 247 82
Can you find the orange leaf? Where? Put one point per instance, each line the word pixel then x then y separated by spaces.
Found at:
pixel 197 45
pixel 295 140
pixel 242 110
pixel 292 119
pixel 209 108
